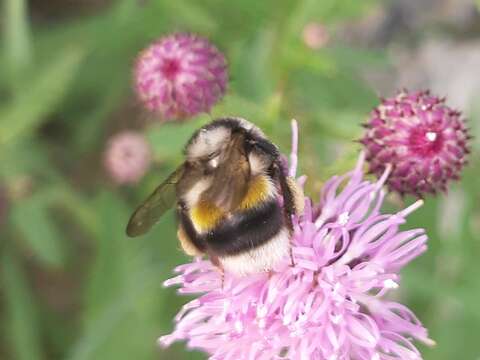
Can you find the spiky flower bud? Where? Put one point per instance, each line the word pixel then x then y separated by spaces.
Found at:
pixel 421 138
pixel 127 157
pixel 180 75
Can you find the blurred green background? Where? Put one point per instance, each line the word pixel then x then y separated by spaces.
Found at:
pixel 73 286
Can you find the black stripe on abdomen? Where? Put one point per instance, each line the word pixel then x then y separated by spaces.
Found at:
pixel 246 230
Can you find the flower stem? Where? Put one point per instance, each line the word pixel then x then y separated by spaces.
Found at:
pixel 17 34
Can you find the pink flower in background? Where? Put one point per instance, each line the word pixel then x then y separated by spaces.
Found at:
pixel 330 305
pixel 127 157
pixel 424 141
pixel 180 75
pixel 315 35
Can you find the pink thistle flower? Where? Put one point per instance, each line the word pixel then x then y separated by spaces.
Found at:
pixel 315 35
pixel 127 157
pixel 424 141
pixel 180 75
pixel 330 305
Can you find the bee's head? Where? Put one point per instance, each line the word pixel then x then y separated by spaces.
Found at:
pixel 224 140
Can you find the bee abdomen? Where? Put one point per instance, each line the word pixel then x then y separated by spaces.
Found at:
pixel 247 229
pixel 261 258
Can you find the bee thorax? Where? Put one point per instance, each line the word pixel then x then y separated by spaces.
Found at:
pixel 207 142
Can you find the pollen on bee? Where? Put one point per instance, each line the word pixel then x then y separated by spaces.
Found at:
pixel 258 191
pixel 205 216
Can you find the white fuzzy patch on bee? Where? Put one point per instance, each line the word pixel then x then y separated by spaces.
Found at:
pixel 247 125
pixel 208 142
pixel 192 196
pixel 272 188
pixel 261 258
pixel 258 165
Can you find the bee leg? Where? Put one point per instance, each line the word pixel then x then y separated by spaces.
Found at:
pixel 292 260
pixel 216 262
pixel 222 273
pixel 293 201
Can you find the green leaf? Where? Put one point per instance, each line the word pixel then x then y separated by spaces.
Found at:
pixel 236 105
pixel 168 139
pixel 357 59
pixel 108 272
pixel 239 19
pixel 89 126
pixel 192 14
pixel 341 125
pixel 254 67
pixel 298 57
pixel 30 107
pixel 305 11
pixel 23 331
pixel 28 158
pixel 16 34
pixel 81 208
pixel 109 335
pixel 123 292
pixel 34 222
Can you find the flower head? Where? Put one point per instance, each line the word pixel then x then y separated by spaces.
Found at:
pixel 127 157
pixel 180 75
pixel 315 35
pixel 424 141
pixel 330 304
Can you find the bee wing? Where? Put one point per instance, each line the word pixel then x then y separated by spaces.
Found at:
pixel 152 209
pixel 293 197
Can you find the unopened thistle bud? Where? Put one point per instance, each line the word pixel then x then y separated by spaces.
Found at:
pixel 422 139
pixel 180 75
pixel 127 157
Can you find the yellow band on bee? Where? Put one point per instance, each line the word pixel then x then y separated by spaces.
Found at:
pixel 205 216
pixel 258 191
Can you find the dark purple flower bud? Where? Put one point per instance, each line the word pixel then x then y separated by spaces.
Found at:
pixel 423 140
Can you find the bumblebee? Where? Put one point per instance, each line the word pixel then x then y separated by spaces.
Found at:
pixel 234 201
